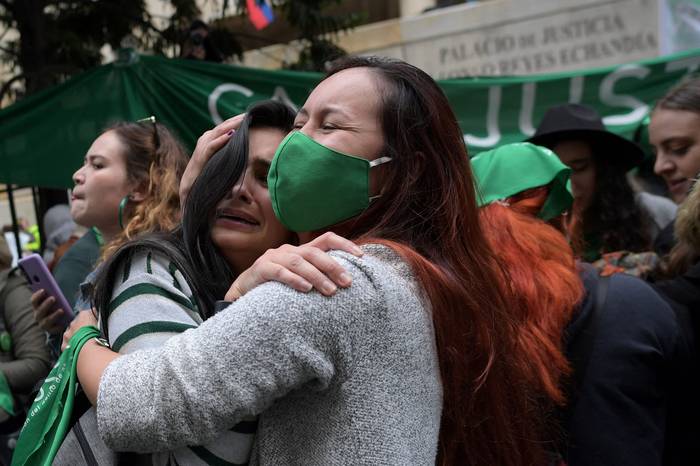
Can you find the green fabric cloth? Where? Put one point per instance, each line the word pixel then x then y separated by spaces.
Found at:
pixel 513 168
pixel 313 186
pixel 48 418
pixel 7 401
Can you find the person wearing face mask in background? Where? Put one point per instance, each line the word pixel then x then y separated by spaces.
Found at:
pixel 128 185
pixel 609 215
pixel 415 360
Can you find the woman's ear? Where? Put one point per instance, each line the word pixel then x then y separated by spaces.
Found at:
pixel 140 192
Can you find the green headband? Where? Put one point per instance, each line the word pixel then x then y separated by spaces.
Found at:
pixel 513 168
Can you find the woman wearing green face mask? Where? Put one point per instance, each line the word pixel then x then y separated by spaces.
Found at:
pixel 415 361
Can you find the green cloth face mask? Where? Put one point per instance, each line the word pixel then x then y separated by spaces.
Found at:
pixel 313 186
pixel 513 168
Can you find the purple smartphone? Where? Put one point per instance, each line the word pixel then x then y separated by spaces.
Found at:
pixel 39 277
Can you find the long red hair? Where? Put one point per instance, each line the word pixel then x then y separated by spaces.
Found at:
pixel 542 275
pixel 491 374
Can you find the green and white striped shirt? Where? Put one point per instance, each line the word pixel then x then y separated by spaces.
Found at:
pixel 152 302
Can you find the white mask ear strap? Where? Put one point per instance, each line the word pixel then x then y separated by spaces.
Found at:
pixel 379 161
pixel 374 163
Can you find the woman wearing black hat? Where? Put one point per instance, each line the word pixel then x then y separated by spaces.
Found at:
pixel 611 216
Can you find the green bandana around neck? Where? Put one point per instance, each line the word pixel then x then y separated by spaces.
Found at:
pixel 513 168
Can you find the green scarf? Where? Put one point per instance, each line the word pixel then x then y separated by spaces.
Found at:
pixel 513 168
pixel 7 401
pixel 47 421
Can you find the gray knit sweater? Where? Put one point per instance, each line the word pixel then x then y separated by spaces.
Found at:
pixel 353 378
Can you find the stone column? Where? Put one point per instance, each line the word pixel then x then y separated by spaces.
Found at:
pixel 414 7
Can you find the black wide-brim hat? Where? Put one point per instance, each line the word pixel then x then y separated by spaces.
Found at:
pixel 577 121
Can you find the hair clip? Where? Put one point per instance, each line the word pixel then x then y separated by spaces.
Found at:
pixel 150 119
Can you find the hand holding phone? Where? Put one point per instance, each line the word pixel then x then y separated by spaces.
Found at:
pixel 39 278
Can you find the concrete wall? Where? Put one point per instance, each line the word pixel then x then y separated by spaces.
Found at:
pixel 23 203
pixel 504 37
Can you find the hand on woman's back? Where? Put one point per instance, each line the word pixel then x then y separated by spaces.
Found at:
pixel 303 267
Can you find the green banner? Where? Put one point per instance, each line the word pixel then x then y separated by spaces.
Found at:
pixel 43 138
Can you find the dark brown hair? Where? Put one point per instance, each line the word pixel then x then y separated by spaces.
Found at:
pixel 684 96
pixel 613 218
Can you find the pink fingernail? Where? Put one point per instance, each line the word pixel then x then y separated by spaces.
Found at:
pixel 231 132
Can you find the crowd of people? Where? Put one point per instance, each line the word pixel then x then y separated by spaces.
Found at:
pixel 344 285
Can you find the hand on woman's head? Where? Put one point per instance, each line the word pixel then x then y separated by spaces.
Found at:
pixel 207 145
pixel 302 267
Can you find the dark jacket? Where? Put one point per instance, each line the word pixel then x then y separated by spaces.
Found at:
pixel 621 410
pixel 683 290
pixel 683 294
pixel 70 272
pixel 76 264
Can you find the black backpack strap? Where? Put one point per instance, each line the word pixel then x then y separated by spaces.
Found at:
pixel 89 456
pixel 581 347
pixel 578 350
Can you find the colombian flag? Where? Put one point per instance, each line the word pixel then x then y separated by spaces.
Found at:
pixel 260 13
